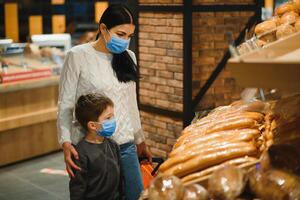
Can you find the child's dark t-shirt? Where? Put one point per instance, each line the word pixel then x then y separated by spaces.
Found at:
pixel 100 176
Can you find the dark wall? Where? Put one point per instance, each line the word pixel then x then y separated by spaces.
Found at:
pixel 76 11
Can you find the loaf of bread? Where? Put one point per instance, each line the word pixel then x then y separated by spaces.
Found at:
pixel 213 157
pixel 284 30
pixel 275 19
pixel 165 188
pixel 275 185
pixel 266 31
pixel 286 7
pixel 289 18
pixel 226 183
pixel 195 192
pixel 297 4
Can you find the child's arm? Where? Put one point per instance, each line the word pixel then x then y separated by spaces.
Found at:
pixel 78 184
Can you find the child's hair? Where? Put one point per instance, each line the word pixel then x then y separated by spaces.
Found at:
pixel 89 107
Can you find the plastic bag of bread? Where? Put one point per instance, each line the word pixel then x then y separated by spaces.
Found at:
pixel 289 18
pixel 266 31
pixel 195 192
pixel 274 184
pixel 284 31
pixel 166 188
pixel 282 156
pixel 286 7
pixel 227 183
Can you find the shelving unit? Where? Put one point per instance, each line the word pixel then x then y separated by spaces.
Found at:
pixel 277 65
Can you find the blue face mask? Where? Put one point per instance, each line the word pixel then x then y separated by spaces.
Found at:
pixel 117 45
pixel 108 128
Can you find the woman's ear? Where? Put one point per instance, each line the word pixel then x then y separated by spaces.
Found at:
pixel 102 29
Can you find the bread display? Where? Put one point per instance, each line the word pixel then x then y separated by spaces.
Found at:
pixel 235 134
pixel 272 29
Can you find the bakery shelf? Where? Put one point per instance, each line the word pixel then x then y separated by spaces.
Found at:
pixel 277 65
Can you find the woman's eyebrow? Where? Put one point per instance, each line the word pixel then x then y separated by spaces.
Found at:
pixel 120 31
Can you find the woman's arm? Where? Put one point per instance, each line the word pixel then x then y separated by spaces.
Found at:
pixel 66 101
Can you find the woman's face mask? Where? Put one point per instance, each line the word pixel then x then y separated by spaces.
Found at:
pixel 117 45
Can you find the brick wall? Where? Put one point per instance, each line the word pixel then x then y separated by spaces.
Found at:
pixel 161 60
pixel 209 45
pixel 161 65
pixel 161 69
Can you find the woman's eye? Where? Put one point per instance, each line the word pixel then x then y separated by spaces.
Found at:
pixel 120 34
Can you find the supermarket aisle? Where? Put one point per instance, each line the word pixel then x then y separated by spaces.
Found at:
pixel 25 181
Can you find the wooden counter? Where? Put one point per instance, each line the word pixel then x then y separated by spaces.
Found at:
pixel 28 119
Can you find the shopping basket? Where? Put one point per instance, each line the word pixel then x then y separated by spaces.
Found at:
pixel 147 170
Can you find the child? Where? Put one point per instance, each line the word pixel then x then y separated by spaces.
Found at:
pixel 99 158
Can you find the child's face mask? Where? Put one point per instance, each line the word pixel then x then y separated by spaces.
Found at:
pixel 107 128
pixel 117 45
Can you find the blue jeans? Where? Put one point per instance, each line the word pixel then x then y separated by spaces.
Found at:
pixel 131 171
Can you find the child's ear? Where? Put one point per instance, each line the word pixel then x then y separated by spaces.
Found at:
pixel 91 126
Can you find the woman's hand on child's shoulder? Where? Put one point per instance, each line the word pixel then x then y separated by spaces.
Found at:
pixel 69 150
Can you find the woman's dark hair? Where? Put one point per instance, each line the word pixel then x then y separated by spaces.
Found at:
pixel 122 64
pixel 89 107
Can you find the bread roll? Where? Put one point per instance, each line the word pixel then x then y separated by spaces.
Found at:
pixel 285 30
pixel 265 28
pixel 297 4
pixel 166 188
pixel 195 192
pixel 289 18
pixel 275 184
pixel 275 19
pixel 226 183
pixel 297 25
pixel 286 7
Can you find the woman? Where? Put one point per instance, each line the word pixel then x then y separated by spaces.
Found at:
pixel 108 67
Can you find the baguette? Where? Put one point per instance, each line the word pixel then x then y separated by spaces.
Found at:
pixel 212 158
pixel 214 137
pixel 244 120
pixel 209 146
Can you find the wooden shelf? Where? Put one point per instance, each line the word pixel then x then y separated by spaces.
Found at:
pixel 29 84
pixel 28 119
pixel 277 65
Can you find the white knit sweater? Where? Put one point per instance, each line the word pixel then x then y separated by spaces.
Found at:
pixel 86 70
